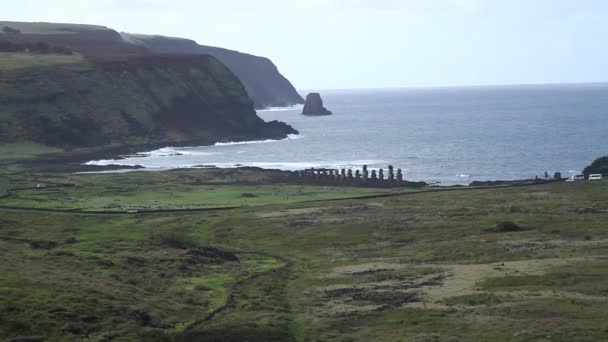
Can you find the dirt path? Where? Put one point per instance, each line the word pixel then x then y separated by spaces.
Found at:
pixel 114 212
pixel 235 288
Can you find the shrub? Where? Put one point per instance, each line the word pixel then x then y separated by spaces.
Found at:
pixel 474 299
pixel 248 195
pixel 508 226
pixel 41 244
pixel 71 240
pixel 173 239
pixel 599 165
pixel 505 227
pixel 10 30
pixel 38 48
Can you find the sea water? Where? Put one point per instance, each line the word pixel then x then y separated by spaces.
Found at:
pixel 445 135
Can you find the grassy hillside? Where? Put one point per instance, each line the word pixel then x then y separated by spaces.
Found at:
pixel 422 266
pixel 263 81
pixel 99 90
pixel 16 61
pixel 66 100
pixel 50 28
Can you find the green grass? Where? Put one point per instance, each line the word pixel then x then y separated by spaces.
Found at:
pixel 414 267
pixel 475 299
pixel 589 278
pixel 49 28
pixel 25 150
pixel 152 190
pixel 14 61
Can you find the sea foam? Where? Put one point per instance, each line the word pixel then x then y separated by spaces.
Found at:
pixel 281 109
pixel 230 143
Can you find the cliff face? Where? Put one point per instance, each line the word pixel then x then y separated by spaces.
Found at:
pixel 263 81
pixel 113 92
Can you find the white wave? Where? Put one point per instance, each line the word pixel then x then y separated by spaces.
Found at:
pixel 288 166
pixel 173 151
pixel 292 166
pixel 106 162
pixel 163 152
pixel 281 109
pixel 230 143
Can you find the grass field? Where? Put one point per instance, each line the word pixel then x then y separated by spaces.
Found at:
pixel 49 28
pixel 169 190
pixel 25 150
pixel 413 267
pixel 12 61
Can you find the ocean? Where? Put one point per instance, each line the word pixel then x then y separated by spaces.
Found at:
pixel 452 135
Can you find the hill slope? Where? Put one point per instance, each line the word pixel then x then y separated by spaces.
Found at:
pixel 263 81
pixel 113 92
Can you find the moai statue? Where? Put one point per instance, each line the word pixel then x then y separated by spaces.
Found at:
pixel 381 174
pixel 391 174
pixel 557 176
pixel 546 175
pixel 349 174
pixel 399 175
pixel 374 177
pixel 358 174
pixel 365 172
pixel 343 174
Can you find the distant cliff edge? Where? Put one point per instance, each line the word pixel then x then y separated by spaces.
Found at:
pixel 263 81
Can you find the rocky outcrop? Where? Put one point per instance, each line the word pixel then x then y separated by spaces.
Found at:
pixel 314 105
pixel 263 81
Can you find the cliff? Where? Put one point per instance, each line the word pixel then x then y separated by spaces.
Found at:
pixel 112 92
pixel 263 81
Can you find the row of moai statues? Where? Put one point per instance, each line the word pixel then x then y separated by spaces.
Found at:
pixel 347 175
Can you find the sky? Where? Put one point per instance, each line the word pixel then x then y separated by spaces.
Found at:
pixel 341 44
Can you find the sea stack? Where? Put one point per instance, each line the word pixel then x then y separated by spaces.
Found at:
pixel 314 105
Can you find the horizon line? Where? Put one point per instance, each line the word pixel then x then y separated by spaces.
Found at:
pixel 461 86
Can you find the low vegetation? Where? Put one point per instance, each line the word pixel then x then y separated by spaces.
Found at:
pixel 599 166
pixel 298 262
pixel 10 30
pixel 13 61
pixel 47 28
pixel 182 189
pixel 38 48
